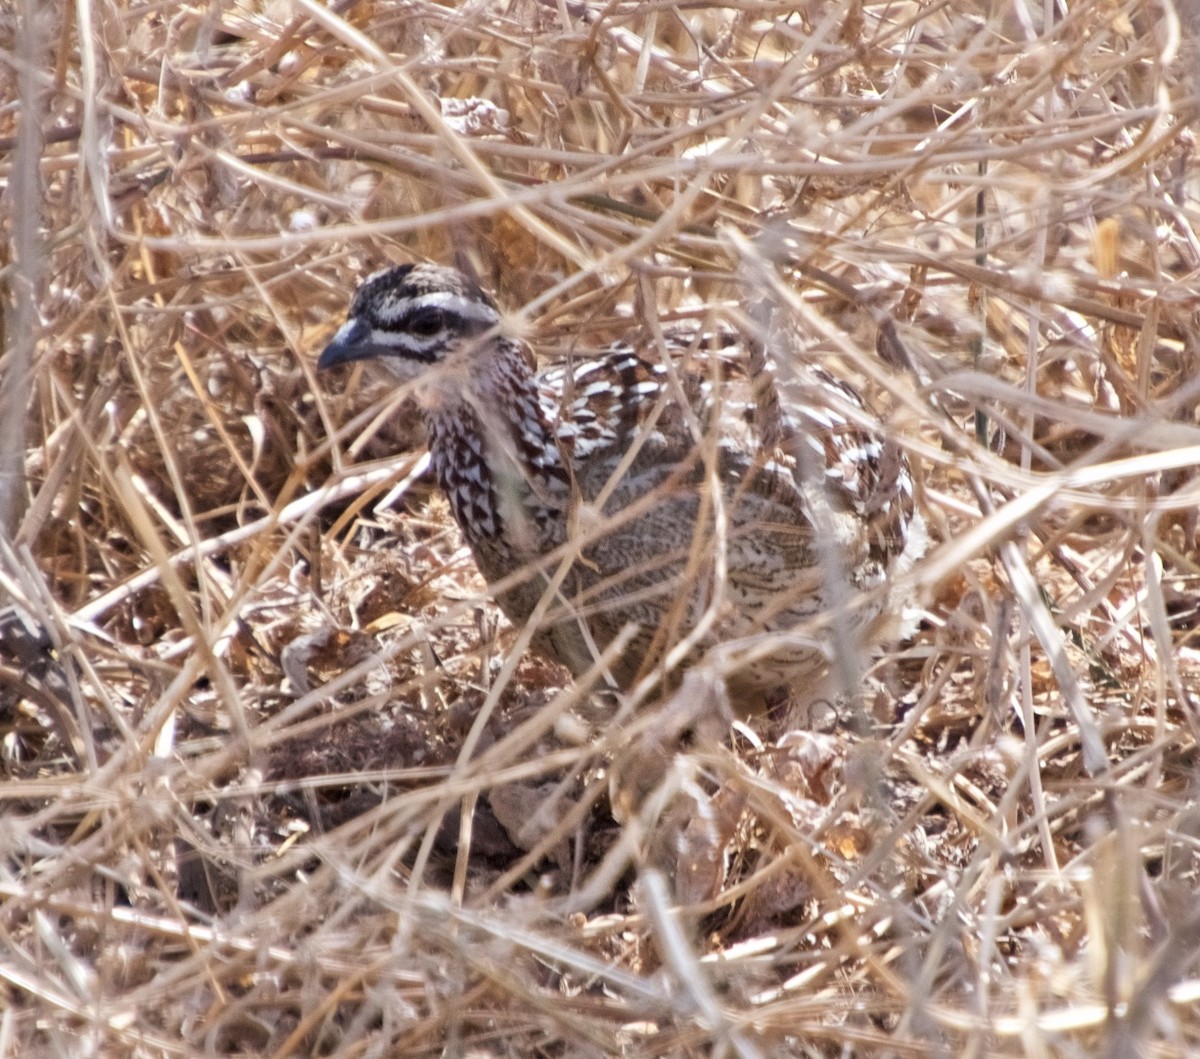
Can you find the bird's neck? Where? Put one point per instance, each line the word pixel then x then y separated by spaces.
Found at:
pixel 495 453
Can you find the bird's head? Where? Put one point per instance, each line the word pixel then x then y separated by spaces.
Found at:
pixel 410 317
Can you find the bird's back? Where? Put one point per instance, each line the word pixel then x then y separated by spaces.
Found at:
pixel 706 507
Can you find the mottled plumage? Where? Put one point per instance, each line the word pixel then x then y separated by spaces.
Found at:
pixel 684 496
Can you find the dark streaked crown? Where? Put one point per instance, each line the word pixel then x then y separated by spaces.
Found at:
pixel 412 312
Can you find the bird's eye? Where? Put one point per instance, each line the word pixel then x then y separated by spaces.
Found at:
pixel 426 322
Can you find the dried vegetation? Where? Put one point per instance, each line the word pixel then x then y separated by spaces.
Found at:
pixel 266 746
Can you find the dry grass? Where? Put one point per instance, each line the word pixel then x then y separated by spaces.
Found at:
pixel 244 665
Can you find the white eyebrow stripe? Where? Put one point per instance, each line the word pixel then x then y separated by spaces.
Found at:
pixel 399 340
pixel 465 308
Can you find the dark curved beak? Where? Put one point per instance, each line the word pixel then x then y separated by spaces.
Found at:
pixel 352 342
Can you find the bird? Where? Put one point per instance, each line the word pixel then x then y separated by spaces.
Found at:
pixel 655 499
